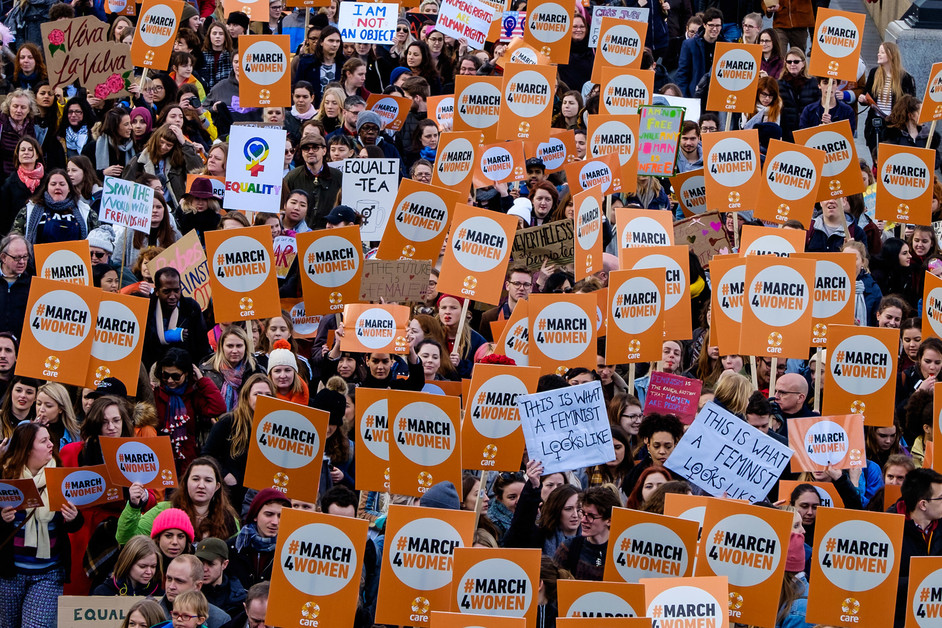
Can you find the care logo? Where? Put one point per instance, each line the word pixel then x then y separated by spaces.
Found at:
pixel 318 559
pixel 905 176
pixel 549 23
pixel 934 310
pixel 241 264
pixel 927 601
pixel 613 136
pixel 455 161
pixel 517 343
pixel 495 586
pixel 649 550
pixel 496 163
pixel 83 487
pixel 861 365
pixel 736 70
pixel 596 173
pixel 693 194
pixel 732 288
pixel 138 462
pixel 832 289
pixel 480 244
pixel 686 606
pixel 856 555
pixel 494 411
pixel 676 278
pixel 528 93
pixel 255 152
pixel 553 153
pixel 387 109
pixel 770 245
pixel 375 328
pixel 838 36
pixel 826 443
pixel 374 426
pixel 744 548
pixel 732 161
pixel 837 151
pixel 421 553
pixel 331 262
pixel 625 93
pixel 287 439
pixel 779 295
pixel 117 332
pixel 599 604
pixel 157 26
pixel 421 216
pixel 67 266
pixel 10 496
pixel 425 434
pixel 791 175
pixel 60 320
pixel 588 222
pixel 636 305
pixel 479 105
pixel 644 231
pixel 264 63
pixel 620 45
pixel 562 331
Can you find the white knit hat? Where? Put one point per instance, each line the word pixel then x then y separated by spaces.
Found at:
pixel 281 356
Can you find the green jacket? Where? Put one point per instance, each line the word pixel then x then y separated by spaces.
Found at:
pixel 133 522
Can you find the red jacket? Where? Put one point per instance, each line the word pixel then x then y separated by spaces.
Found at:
pixel 203 401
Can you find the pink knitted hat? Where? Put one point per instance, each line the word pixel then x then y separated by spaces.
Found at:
pixel 172 519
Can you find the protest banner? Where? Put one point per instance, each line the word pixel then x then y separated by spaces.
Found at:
pixel 676 262
pixel 639 15
pixel 790 183
pixel 555 151
pixel 636 313
pixel 658 136
pixel 931 108
pixel 499 163
pixel 552 241
pixel 690 192
pixel 242 273
pixel 603 171
pixel 705 236
pixel 829 441
pixel 90 611
pixel 729 289
pixel 56 340
pixel 317 566
pixel 932 307
pixel 286 448
pixel 330 261
pixel 454 161
pixel 285 249
pixel 828 495
pixel 79 49
pixel 156 33
pixel 368 22
pixel 643 227
pixel 370 187
pixel 835 282
pixel 624 92
pixel 904 184
pixel 776 314
pixel 563 330
pixel 148 461
pixel 587 216
pixel 396 281
pixel 118 341
pixel 701 601
pixel 477 254
pixel 511 25
pixel 854 567
pixel 391 109
pixel 835 44
pixel 721 453
pixel 609 134
pixel 491 438
pixel 757 240
pixel 459 620
pixel 520 51
pixel 82 486
pixel 264 70
pixel 441 109
pixel 372 440
pixel 19 494
pixel 426 448
pixel 127 204
pixel 305 326
pixel 841 173
pixel 567 428
pixel 597 600
pixel 549 29
pixel 514 339
pixel 734 77
pixel 421 215
pixel 924 596
pixel 379 327
pixel 187 257
pixel 731 170
pixel 649 545
pixel 478 106
pixel 254 169
pixel 527 107
pixel 673 394
pixel 415 578
pixel 68 262
pixel 619 45
pixel 496 582
pixel 465 19
pixel 860 377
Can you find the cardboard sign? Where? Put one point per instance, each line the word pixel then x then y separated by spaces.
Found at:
pixel 148 461
pixel 421 215
pixel 242 273
pixel 619 45
pixel 722 454
pixel 835 284
pixel 68 262
pixel 370 187
pixel 639 15
pixel 528 90
pixel 748 545
pixel 187 256
pixel 372 440
pixel 396 281
pixel 426 447
pixel 83 487
pixel 514 339
pixel 931 108
pixel 57 334
pixel 496 582
pixel 635 311
pixel 555 436
pixel 459 620
pixel 477 254
pixel 698 601
pixel 904 184
pixel 265 71
pixel 156 33
pixel 734 77
pixel 549 29
pixel 831 441
pixel 563 331
pixel 932 307
pixel 369 328
pixel 676 262
pixel 604 171
pixel 619 135
pixel 255 169
pixel 478 106
pixel 499 163
pixel 441 109
pixel 705 236
pixel 624 92
pixel 286 448
pixel 553 241
pixel 790 182
pixel 368 22
pixel 729 289
pixel 19 494
pixel 126 203
pixel 854 567
pixel 318 562
pixel 330 262
pixel 835 45
pixel 829 496
pixel 644 227
pixel 285 249
pixel 690 191
pixel 393 110
pixel 454 161
pixel 731 170
pixel 587 215
pixel 556 151
pixel 119 339
pixel 649 545
pixel 491 438
pixel 658 137
pixel 841 173
pixel 860 377
pixel 924 602
pixel 597 600
pixel 777 310
pixel 89 611
pixel 673 394
pixel 417 562
pixel 465 19
pixel 79 49
pixel 757 240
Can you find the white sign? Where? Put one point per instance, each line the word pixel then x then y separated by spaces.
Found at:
pixel 634 14
pixel 254 169
pixel 126 203
pixel 721 453
pixel 368 22
pixel 468 19
pixel 567 428
pixel 370 187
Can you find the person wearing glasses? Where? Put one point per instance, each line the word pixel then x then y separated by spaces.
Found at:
pixel 182 583
pixel 401 40
pixel 791 391
pixel 320 181
pixel 797 90
pixel 696 54
pixel 921 503
pixel 519 285
pixel 751 25
pixel 584 556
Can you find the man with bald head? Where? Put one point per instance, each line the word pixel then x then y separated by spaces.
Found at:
pixel 791 392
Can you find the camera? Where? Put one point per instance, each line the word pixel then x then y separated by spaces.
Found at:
pixel 194 102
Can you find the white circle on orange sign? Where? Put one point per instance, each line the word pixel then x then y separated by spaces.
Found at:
pixel 736 70
pixel 549 22
pixel 636 305
pixel 82 487
pixel 481 244
pixel 425 434
pixel 732 161
pixel 479 105
pixel 677 602
pixel 264 63
pixel 620 45
pixel 416 564
pixel 488 576
pixel 837 148
pixel 375 429
pixel 562 331
pixel 837 36
pixel 318 559
pixel 826 443
pixel 331 261
pixel 60 320
pixel 676 277
pixel 455 160
pixel 588 222
pixel 600 604
pixel 241 264
pixel 157 26
pixel 791 175
pixel 860 364
pixel 287 439
pixel 375 328
pixel 835 289
pixel 905 176
pixel 421 216
pixel 778 295
pixel 493 410
pixel 847 546
pixel 743 567
pixel 528 94
pixel 119 328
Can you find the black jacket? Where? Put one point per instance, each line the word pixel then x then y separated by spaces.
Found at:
pixel 190 318
pixel 323 189
pixel 13 297
pixel 229 595
pixel 914 544
pixel 15 194
pixel 796 94
pixel 249 566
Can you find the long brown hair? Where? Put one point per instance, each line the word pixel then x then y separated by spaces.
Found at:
pixel 896 72
pixel 552 511
pixel 137 549
pixel 165 235
pixel 221 516
pixel 17 454
pixel 176 157
pixel 770 85
pixel 243 415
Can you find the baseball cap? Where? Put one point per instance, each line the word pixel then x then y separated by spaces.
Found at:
pixel 109 386
pixel 212 548
pixel 341 213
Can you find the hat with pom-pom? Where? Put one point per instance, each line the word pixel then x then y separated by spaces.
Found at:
pixel 281 356
pixel 172 519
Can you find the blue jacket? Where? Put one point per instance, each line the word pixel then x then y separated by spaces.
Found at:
pixel 818 241
pixel 811 115
pixel 692 65
pixel 795 617
pixel 872 297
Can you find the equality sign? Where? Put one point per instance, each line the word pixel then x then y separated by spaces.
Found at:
pixel 368 22
pixel 829 441
pixel 264 70
pixel 69 262
pixel 496 582
pixel 242 273
pixel 635 313
pixel 370 187
pixel 734 77
pixel 147 461
pixel 156 33
pixel 255 169
pixel 425 436
pixel 119 339
pixel 860 377
pixel 649 545
pixel 330 261
pixel 126 203
pixel 82 486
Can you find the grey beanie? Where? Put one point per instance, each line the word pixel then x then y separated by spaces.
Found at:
pixel 443 495
pixel 102 237
pixel 367 117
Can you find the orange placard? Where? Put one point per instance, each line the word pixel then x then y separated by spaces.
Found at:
pixel 609 134
pixel 776 314
pixel 854 567
pixel 790 182
pixel 372 440
pixel 119 339
pixel 757 240
pixel 587 213
pixel 835 283
pixel 67 261
pixel 392 110
pixel 417 562
pixel 690 192
pixel 904 184
pixel 499 163
pixel 251 8
pixel 441 109
pixel 648 545
pixel 477 254
pixel 242 273
pixel 420 220
pixel 305 326
pixel 562 331
pixel 619 46
pixel 264 71
pixel 156 33
pixel 841 173
pixel 636 313
pixel 932 307
pixel 454 161
pixel 582 598
pixel 729 287
pixel 823 441
pixel 286 448
pixel 734 77
pixel 555 151
pixel 514 339
pixel 604 171
pixel 731 170
pixel 82 486
pixel 318 562
pixel 860 377
pixel 676 262
pixel 330 261
pixel 56 341
pixel 147 461
pixel 549 29
pixel 605 622
pixel 644 227
pixel 460 620
pixel 748 545
pixel 622 91
pixel 120 7
pixel 219 183
pixel 491 438
pixel 931 108
pixel 688 507
pixel 477 105
pixel 426 450
pixel 496 582
pixel 835 46
pixel 674 599
pixel 518 51
pixel 19 494
pixel 829 496
pixel 924 597
pixel 936 461
pixel 378 327
pixel 527 107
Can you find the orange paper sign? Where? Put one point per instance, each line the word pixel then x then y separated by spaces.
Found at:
pixel 694 601
pixel 597 600
pixel 146 461
pixel 841 172
pixel 828 441
pixel 690 191
pixel 549 27
pixel 676 262
pixel 734 77
pixel 514 339
pixel 426 450
pixel 835 283
pixel 621 92
pixel 771 241
pixel 19 494
pixel 924 599
pixel 454 161
pixel 477 254
pixel 372 445
pixel 904 184
pixel 330 262
pixel 499 163
pixel 648 545
pixel 931 109
pixel 604 171
pixel 264 71
pixel 635 312
pixel 83 487
pixel 731 170
pixel 496 582
pixel 776 315
pixel 370 328
pixel 119 339
pixel 616 135
pixel 729 281
pixel 242 273
pixel 835 46
pixel 860 377
pixel 644 227
pixel 420 220
pixel 527 108
pixel 562 331
pixel 587 213
pixel 64 261
pixel 477 106
pixel 156 33
pixel 790 183
pixel 619 45
pixel 392 110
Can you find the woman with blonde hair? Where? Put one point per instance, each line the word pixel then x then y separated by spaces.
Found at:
pixel 54 411
pixel 330 112
pixel 886 83
pixel 137 571
pixel 732 392
pixel 232 365
pixel 216 159
pixel 144 614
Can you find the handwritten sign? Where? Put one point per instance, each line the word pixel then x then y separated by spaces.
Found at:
pixel 673 394
pixel 635 14
pixel 368 22
pixel 397 281
pixel 83 611
pixel 286 251
pixel 78 48
pixel 468 19
pixel 370 187
pixel 553 242
pixel 658 135
pixel 126 203
pixel 705 235
pixel 187 256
